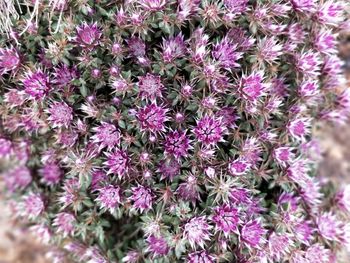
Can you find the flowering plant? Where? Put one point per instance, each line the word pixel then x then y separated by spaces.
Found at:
pixel 173 130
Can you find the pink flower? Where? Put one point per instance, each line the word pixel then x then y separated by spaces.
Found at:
pixel 279 246
pixel 109 197
pixel 238 167
pixel 305 6
pixel 157 246
pixel 226 219
pixel 200 257
pixel 9 60
pixel 173 48
pixel 209 130
pixel 36 84
pixel 65 223
pixel 106 135
pixel 189 190
pixel 236 6
pixel 61 115
pixel 225 52
pixel 308 63
pixel 303 232
pixel 197 231
pixel 343 198
pixel 6 148
pixel 88 36
pixel 51 173
pixel 299 128
pixel 177 144
pixel 132 257
pixel 17 178
pixel 187 8
pixel 118 162
pixel 252 234
pixel 70 192
pixel 152 118
pixel 142 198
pixel 330 13
pixel 308 89
pixel 150 87
pixel 252 88
pixel 63 75
pixel 32 206
pixel 14 98
pixel 169 168
pixel 152 5
pixel 283 155
pixel 329 226
pixel 325 42
pixel 317 253
pixel 269 49
pixel 98 179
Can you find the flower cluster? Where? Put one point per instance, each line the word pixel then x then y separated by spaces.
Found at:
pixel 174 131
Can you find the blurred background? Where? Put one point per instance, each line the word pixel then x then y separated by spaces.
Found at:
pixel 18 246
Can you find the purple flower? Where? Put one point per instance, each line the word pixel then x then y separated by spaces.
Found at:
pixel 109 197
pixel 51 173
pixel 238 167
pixel 283 155
pixel 118 162
pixel 61 115
pixel 97 180
pixel 65 223
pixel 318 253
pixel 157 246
pixel 142 197
pixel 197 231
pixel 225 52
pixel 132 257
pixel 42 232
pixel 70 192
pixel 189 190
pixel 152 118
pixel 14 98
pixel 329 226
pixel 226 219
pixel 279 246
pixel 88 36
pixel 325 42
pixel 32 206
pixel 63 75
pixel 269 49
pixel 152 5
pixel 299 128
pixel 305 6
pixel 303 232
pixel 106 135
pixel 6 148
pixel 169 168
pixel 200 257
pixel 17 178
pixel 251 88
pixel 252 234
pixel 177 144
pixel 236 6
pixel 330 13
pixel 308 89
pixel 173 48
pixel 187 8
pixel 150 87
pixel 308 63
pixel 209 130
pixel 36 84
pixel 9 60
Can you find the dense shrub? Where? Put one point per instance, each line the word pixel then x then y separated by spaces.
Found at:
pixel 173 131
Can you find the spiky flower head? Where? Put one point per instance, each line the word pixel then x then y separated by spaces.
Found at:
pixel 65 223
pixel 118 162
pixel 152 118
pixel 32 205
pixel 106 135
pixel 17 178
pixel 61 115
pixel 279 245
pixel 226 219
pixel 252 234
pixel 36 84
pixel 142 198
pixel 173 48
pixel 200 256
pixel 157 246
pixel 150 87
pixel 177 144
pixel 51 173
pixel 109 197
pixel 197 231
pixel 88 36
pixel 329 226
pixel 9 60
pixel 225 52
pixel 209 130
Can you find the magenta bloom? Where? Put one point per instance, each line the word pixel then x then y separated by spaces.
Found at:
pixel 200 257
pixel 279 246
pixel 252 234
pixel 330 13
pixel 305 6
pixel 236 6
pixel 6 148
pixel 197 231
pixel 283 155
pixel 65 223
pixel 269 49
pixel 118 162
pixel 189 190
pixel 18 178
pixel 63 75
pixel 88 36
pixel 152 118
pixel 325 42
pixel 318 253
pixel 299 128
pixel 157 246
pixel 97 180
pixel 106 135
pixel 252 87
pixel 209 130
pixel 225 52
pixel 15 98
pixel 36 84
pixel 153 5
pixel 142 197
pixel 308 89
pixel 226 219
pixel 61 115
pixel 150 87
pixel 303 232
pixel 169 168
pixel 329 226
pixel 9 60
pixel 177 144
pixel 308 63
pixel 51 173
pixel 239 167
pixel 109 197
pixel 173 48
pixel 132 257
pixel 33 205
